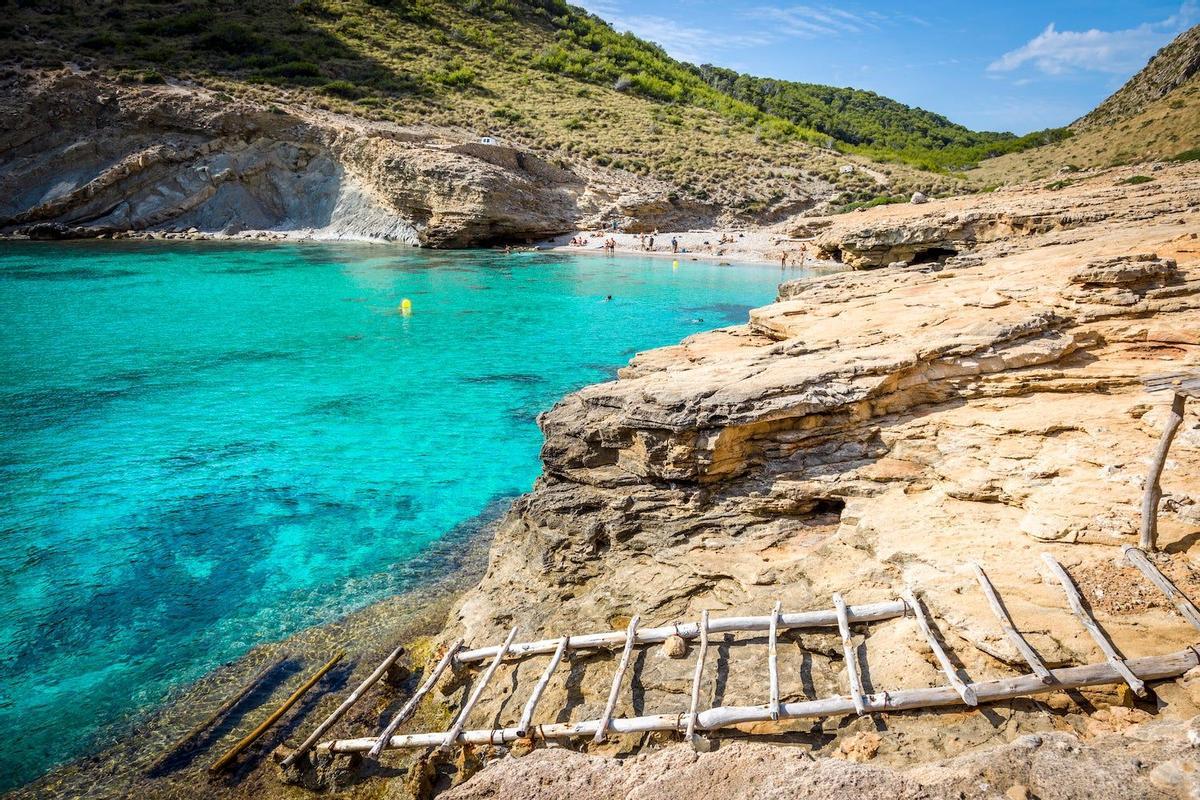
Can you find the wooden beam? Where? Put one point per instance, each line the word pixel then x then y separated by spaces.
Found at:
pixel 1153 491
pixel 690 733
pixel 773 660
pixel 1010 629
pixel 848 653
pixel 614 690
pixel 221 711
pixel 253 736
pixel 527 715
pixel 353 698
pixel 476 693
pixel 965 692
pixel 1089 623
pixel 410 707
pixel 1181 600
pixel 1150 668
pixel 872 612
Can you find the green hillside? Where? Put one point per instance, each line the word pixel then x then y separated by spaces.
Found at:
pixel 538 72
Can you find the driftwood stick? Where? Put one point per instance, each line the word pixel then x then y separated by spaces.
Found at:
pixel 1010 629
pixel 1090 624
pixel 696 678
pixel 353 698
pixel 848 652
pixel 1150 668
pixel 773 660
pixel 1153 491
pixel 965 692
pixel 410 707
pixel 221 711
pixel 253 736
pixel 1181 601
pixel 606 717
pixel 476 693
pixel 690 630
pixel 527 715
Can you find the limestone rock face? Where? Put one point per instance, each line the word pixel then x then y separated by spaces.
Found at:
pixel 1157 764
pixel 956 227
pixel 86 157
pixel 867 432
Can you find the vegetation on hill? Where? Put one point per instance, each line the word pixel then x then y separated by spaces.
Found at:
pixel 873 125
pixel 535 72
pixel 1170 68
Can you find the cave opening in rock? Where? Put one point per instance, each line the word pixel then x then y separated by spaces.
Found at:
pixel 828 505
pixel 933 255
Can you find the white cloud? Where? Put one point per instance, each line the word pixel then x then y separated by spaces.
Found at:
pixel 1056 52
pixel 687 43
pixel 812 21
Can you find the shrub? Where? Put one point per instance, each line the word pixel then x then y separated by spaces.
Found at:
pixel 344 89
pixel 230 37
pixel 1188 155
pixel 294 69
pixel 1054 187
pixel 458 78
pixel 1134 180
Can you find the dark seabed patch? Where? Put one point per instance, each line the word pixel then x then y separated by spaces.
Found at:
pixel 68 274
pixel 720 313
pixel 523 378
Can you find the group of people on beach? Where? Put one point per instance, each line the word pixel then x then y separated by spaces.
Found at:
pixel 783 257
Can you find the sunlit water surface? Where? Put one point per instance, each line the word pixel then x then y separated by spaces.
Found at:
pixel 203 447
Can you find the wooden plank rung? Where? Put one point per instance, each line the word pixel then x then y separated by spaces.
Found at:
pixel 1010 629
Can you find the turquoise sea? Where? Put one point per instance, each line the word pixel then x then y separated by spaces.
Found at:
pixel 206 446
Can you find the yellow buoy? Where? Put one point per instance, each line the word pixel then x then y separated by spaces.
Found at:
pixel 406 307
pixel 675 264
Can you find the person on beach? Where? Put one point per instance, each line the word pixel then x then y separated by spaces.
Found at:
pixel 651 242
pixel 783 259
pixel 674 245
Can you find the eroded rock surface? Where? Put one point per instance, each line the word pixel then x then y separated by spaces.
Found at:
pixel 865 433
pixel 83 157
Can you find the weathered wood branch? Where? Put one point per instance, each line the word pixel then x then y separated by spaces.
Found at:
pixel 221 711
pixel 1089 623
pixel 1010 629
pixel 338 712
pixel 773 661
pixel 692 708
pixel 1150 668
pixel 1153 491
pixel 527 714
pixel 848 652
pixel 253 736
pixel 967 693
pixel 459 722
pixel 872 612
pixel 615 689
pixel 410 707
pixel 1181 600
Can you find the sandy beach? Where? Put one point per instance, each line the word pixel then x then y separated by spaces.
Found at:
pixel 766 245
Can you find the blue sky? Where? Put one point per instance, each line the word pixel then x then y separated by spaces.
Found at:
pixel 1016 66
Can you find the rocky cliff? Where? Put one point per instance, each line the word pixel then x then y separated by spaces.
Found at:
pixel 1170 68
pixel 81 156
pixel 872 431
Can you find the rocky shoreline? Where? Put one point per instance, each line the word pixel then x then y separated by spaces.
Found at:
pixel 867 432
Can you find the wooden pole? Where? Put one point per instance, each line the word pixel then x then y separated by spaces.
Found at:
pixel 851 657
pixel 773 661
pixel 1089 623
pixel 253 736
pixel 1010 629
pixel 606 717
pixel 965 692
pixel 1181 601
pixel 690 630
pixel 696 678
pixel 353 698
pixel 221 711
pixel 1153 491
pixel 410 707
pixel 527 715
pixel 1150 668
pixel 457 727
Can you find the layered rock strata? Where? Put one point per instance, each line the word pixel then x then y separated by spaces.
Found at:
pixel 865 433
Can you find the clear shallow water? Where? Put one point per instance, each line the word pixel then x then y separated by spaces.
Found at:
pixel 203 447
